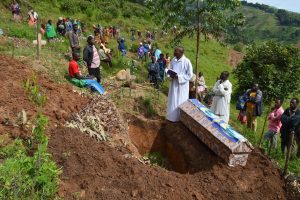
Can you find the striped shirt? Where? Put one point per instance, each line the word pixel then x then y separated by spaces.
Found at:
pixel 96 59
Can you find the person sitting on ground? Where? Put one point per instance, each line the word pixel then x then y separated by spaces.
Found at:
pixel 74 71
pixel 290 120
pixel 122 47
pixel 253 106
pixel 15 10
pixel 61 27
pixel 162 66
pixel 92 59
pixel 201 88
pixel 274 123
pixel 82 81
pixel 74 39
pixel 140 52
pixel 153 72
pixel 104 57
pixel 50 31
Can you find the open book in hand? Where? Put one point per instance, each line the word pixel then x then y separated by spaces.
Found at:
pixel 171 73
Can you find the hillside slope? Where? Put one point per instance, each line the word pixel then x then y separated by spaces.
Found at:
pixel 261 26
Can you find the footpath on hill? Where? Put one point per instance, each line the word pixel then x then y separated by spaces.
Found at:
pixel 113 169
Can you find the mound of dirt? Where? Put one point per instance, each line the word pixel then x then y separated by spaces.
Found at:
pixel 94 170
pixel 61 100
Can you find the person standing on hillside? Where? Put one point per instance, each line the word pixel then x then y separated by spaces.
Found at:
pixel 274 123
pixel 50 31
pixel 153 72
pixel 201 86
pixel 140 52
pixel 15 10
pixel 61 27
pixel 168 60
pixel 222 96
pixel 74 39
pixel 162 66
pixel 290 120
pixel 122 47
pixel 253 106
pixel 92 59
pixel 179 88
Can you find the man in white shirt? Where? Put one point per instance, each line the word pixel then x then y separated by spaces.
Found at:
pixel 179 89
pixel 221 101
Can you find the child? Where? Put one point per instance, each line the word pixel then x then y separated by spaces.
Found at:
pixel 274 123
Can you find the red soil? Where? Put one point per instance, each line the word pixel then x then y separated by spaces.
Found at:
pixel 95 170
pixel 61 100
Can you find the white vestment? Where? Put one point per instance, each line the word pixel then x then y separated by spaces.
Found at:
pixel 221 100
pixel 179 89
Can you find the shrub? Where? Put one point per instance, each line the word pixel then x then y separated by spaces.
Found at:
pixel 134 47
pixel 238 47
pixel 84 5
pixel 89 12
pixel 69 6
pixel 29 177
pixel 112 11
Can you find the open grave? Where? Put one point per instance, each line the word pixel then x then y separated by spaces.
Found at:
pixel 183 151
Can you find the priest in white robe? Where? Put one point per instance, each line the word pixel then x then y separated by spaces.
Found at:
pixel 179 89
pixel 222 96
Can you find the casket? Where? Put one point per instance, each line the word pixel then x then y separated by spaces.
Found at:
pixel 220 137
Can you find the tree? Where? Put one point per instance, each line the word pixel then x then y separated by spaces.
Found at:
pixel 275 67
pixel 206 17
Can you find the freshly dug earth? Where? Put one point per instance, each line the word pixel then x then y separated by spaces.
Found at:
pixel 94 170
pixel 61 100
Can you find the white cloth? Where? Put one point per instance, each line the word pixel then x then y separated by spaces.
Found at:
pixel 179 89
pixel 221 100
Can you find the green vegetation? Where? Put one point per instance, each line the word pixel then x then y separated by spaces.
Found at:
pixel 264 24
pixel 155 158
pixel 34 91
pixel 274 67
pixel 27 176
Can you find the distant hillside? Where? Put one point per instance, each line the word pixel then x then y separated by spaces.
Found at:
pixel 264 23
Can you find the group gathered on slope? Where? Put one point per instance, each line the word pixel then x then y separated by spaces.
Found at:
pixel 160 66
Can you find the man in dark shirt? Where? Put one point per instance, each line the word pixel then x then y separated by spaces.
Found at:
pixel 290 123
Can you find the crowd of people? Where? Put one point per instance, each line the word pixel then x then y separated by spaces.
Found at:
pixel 179 70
